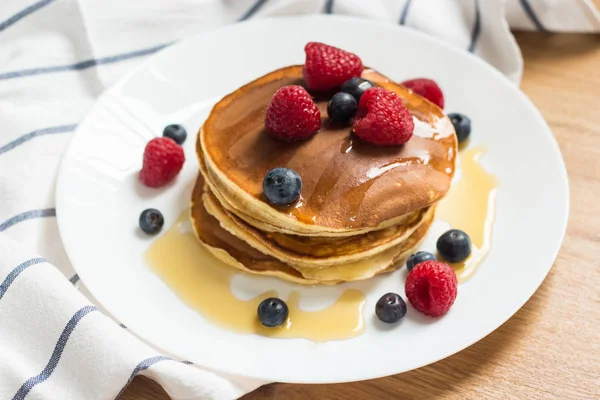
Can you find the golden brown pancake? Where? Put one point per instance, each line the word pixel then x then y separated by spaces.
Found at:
pixel 313 252
pixel 241 255
pixel 349 186
pixel 239 211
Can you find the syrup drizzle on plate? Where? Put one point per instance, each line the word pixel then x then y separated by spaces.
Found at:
pixel 204 283
pixel 470 206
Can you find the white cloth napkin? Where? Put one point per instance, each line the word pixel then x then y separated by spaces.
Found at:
pixel 56 57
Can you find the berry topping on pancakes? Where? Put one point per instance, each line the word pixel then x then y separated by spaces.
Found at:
pixel 292 114
pixel 272 312
pixel 327 67
pixel 163 159
pixel 428 89
pixel 341 108
pixel 282 186
pixel 356 87
pixel 175 132
pixel 390 308
pixel 151 221
pixel 417 258
pixel 462 126
pixel 431 288
pixel 382 118
pixel 454 246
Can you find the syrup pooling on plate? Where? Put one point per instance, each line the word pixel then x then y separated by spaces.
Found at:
pixel 470 206
pixel 203 283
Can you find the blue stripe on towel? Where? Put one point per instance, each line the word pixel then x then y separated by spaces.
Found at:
pixel 55 357
pixel 40 132
pixel 252 10
pixel 46 212
pixel 83 64
pixel 23 13
pixel 404 12
pixel 476 28
pixel 12 275
pixel 74 279
pixel 147 363
pixel 532 16
pixel 329 7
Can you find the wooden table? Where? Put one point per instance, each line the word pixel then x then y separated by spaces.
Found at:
pixel 551 348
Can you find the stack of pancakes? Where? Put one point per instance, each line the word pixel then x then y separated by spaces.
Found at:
pixel 363 208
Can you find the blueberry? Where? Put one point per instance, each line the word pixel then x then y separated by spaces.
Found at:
pixel 272 312
pixel 454 246
pixel 390 308
pixel 356 87
pixel 417 258
pixel 151 221
pixel 282 186
pixel 175 132
pixel 462 126
pixel 341 107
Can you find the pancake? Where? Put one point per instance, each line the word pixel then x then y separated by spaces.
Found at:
pixel 350 187
pixel 313 252
pixel 266 227
pixel 239 254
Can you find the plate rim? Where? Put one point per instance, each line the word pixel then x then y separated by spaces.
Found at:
pixel 531 108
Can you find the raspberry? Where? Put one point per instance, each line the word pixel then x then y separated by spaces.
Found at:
pixel 428 89
pixel 382 118
pixel 292 114
pixel 327 67
pixel 163 159
pixel 431 288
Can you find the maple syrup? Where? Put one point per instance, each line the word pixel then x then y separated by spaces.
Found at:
pixel 470 206
pixel 204 283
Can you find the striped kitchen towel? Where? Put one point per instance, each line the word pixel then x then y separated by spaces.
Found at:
pixel 56 57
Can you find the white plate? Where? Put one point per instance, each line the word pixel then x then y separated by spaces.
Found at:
pixel 99 200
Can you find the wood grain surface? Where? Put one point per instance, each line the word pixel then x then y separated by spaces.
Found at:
pixel 551 348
